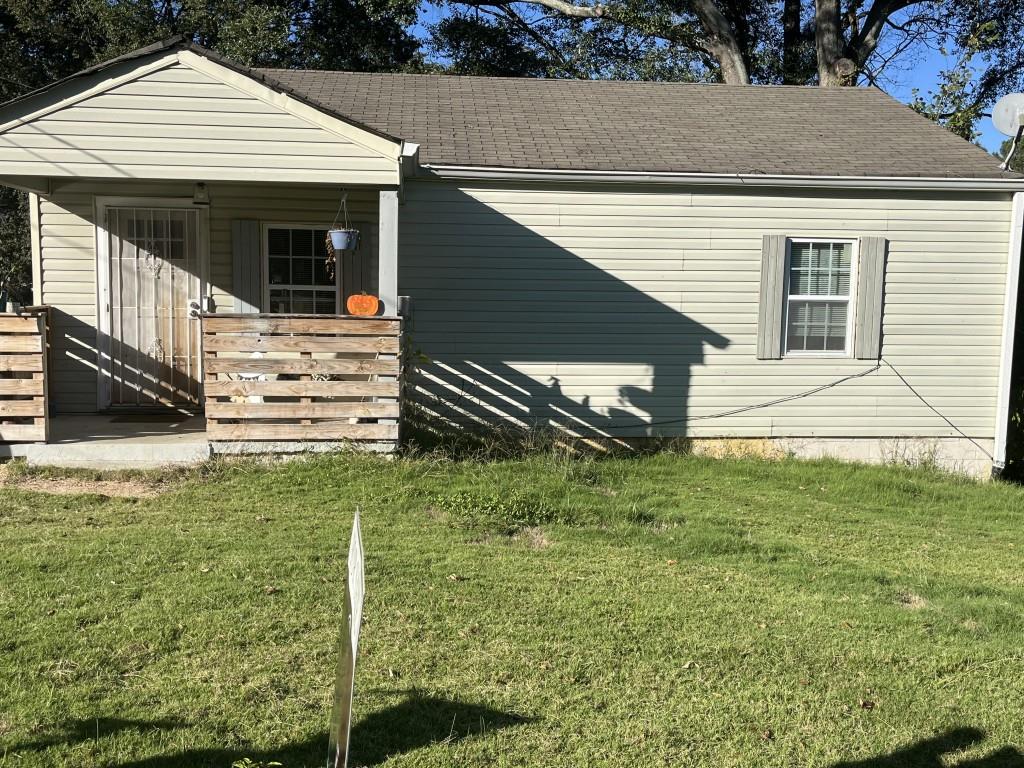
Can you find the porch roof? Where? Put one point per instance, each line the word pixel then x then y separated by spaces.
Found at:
pixel 174 111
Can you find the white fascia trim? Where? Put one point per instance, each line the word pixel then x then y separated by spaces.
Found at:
pixel 1009 326
pixel 723 179
pixel 387 147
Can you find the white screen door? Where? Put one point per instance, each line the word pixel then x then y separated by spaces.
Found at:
pixel 155 271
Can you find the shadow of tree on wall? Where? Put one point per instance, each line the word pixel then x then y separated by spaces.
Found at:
pixel 517 329
pixel 935 752
pixel 416 722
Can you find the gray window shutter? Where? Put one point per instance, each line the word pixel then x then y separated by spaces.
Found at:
pixel 246 265
pixel 773 286
pixel 867 339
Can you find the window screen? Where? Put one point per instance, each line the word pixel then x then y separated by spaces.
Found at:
pixel 818 297
pixel 297 272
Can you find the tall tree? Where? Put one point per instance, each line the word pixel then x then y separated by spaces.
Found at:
pixel 824 42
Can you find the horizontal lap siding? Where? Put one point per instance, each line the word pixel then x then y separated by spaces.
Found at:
pixel 608 307
pixel 68 242
pixel 178 123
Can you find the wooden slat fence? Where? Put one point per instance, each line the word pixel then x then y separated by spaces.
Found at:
pixel 24 404
pixel 298 378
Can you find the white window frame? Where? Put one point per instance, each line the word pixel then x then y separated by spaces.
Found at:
pixel 851 309
pixel 265 248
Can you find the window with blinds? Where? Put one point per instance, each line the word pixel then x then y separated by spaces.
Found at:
pixel 297 272
pixel 819 304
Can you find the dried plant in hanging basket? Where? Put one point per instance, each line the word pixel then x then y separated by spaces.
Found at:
pixel 332 259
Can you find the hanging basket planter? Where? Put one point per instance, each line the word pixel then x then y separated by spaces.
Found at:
pixel 344 239
pixel 340 240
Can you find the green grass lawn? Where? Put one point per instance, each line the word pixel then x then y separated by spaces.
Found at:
pixel 660 611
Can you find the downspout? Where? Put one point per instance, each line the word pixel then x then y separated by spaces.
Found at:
pixel 1009 325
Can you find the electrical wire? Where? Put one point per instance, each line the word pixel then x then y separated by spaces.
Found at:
pixel 758 406
pixel 786 399
pixel 937 412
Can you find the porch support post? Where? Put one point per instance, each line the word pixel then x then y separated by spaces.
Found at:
pixel 387 244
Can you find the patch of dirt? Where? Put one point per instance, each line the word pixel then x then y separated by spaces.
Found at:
pixel 535 538
pixel 77 486
pixel 911 601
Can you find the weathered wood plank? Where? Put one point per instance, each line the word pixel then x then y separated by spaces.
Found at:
pixel 224 343
pixel 22 433
pixel 19 324
pixel 21 342
pixel 21 387
pixel 343 390
pixel 221 410
pixel 213 324
pixel 302 388
pixel 294 365
pixel 301 432
pixel 28 363
pixel 32 407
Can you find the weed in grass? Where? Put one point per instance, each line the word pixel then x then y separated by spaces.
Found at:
pixel 506 513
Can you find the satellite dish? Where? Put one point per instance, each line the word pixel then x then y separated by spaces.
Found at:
pixel 1008 114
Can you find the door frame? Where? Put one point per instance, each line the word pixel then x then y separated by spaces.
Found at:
pixel 104 361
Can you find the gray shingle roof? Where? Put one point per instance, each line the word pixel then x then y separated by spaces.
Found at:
pixel 627 126
pixel 646 127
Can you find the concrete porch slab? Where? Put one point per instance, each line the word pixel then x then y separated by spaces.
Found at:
pixel 122 441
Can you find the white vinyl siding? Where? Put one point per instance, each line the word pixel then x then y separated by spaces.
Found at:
pixel 68 243
pixel 611 307
pixel 178 123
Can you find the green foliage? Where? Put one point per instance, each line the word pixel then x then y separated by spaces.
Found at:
pixel 476 45
pixel 15 251
pixel 954 103
pixel 506 512
pixel 1017 162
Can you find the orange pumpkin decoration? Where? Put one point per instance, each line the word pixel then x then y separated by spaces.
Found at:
pixel 362 304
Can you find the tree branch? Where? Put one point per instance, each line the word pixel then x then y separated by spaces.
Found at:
pixel 863 43
pixel 539 39
pixel 564 8
pixel 719 38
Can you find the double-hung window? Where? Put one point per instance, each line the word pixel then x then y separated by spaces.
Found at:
pixel 819 297
pixel 296 268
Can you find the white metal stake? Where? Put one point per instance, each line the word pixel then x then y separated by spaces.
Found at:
pixel 344 683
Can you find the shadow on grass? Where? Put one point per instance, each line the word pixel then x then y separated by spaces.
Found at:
pixel 78 731
pixel 418 721
pixel 928 753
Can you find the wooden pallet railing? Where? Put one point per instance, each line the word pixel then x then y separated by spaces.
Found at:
pixel 24 404
pixel 299 378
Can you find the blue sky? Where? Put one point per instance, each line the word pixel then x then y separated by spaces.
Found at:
pixel 923 73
